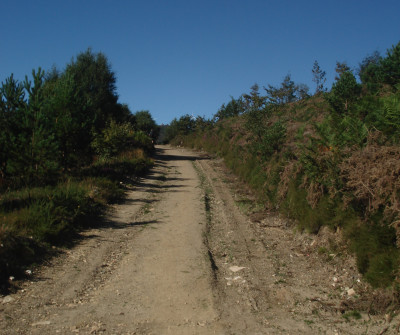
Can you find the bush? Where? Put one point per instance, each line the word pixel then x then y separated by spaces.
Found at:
pixel 118 138
pixel 47 214
pixel 377 255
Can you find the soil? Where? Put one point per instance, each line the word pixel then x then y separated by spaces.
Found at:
pixel 191 252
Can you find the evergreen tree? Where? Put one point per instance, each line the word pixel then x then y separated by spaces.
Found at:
pixel 368 69
pixel 341 67
pixel 72 127
pixel 83 101
pixel 319 78
pixel 12 104
pixel 95 88
pixel 232 108
pixel 33 160
pixel 303 91
pixel 284 94
pixel 391 66
pixel 254 100
pixel 144 122
pixel 287 92
pixel 345 91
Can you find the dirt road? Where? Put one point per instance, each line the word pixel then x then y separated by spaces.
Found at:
pixel 183 255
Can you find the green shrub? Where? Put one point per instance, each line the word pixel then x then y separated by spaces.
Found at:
pixel 377 255
pixel 48 214
pixel 117 138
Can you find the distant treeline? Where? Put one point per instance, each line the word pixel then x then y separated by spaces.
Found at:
pixel 328 158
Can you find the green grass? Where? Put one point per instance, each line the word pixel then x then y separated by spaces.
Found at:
pixel 32 220
pixel 352 315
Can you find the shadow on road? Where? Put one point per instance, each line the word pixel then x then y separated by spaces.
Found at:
pixel 162 155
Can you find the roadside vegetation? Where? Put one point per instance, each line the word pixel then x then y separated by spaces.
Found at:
pixel 66 148
pixel 330 158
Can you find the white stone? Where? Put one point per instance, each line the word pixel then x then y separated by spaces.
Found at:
pixel 7 299
pixel 236 268
pixel 351 292
pixel 41 323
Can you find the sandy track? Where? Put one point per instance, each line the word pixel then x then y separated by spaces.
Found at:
pixel 180 257
pixel 146 271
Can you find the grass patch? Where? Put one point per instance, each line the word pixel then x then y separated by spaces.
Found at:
pixel 308 322
pixel 32 220
pixel 352 315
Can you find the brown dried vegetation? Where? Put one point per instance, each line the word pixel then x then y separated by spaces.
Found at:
pixel 372 178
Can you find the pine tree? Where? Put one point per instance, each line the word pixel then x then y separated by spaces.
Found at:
pixel 341 67
pixel 391 66
pixel 12 103
pixel 345 91
pixel 38 147
pixel 319 78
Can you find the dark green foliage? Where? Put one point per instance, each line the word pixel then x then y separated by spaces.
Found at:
pixel 49 124
pixel 368 70
pixel 268 134
pixel 66 144
pixel 376 71
pixel 253 100
pixel 272 138
pixel 95 88
pixel 391 66
pixel 321 167
pixel 117 138
pixel 144 122
pixel 182 126
pixel 384 115
pixel 72 126
pixel 12 101
pixel 326 212
pixel 377 254
pixel 287 92
pixel 47 213
pixel 345 92
pixel 233 108
pixel 30 151
pixel 85 100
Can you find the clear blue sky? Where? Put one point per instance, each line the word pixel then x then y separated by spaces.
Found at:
pixel 187 57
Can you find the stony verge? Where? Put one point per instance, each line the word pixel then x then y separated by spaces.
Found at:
pixel 279 280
